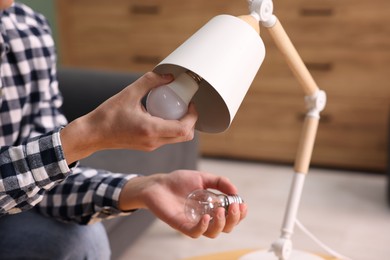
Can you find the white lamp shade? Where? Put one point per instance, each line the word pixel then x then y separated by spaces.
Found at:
pixel 227 53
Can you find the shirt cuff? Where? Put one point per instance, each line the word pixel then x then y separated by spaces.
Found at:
pixel 106 197
pixel 58 138
pixel 46 160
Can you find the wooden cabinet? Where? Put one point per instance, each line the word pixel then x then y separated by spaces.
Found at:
pixel 346 46
pixel 128 34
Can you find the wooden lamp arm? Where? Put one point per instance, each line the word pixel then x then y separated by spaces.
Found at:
pixel 310 89
pixel 261 11
pixel 315 102
pixel 306 145
pixel 315 97
pixel 293 59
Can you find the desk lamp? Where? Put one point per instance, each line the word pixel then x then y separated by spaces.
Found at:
pixel 225 55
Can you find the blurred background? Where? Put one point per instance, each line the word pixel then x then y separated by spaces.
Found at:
pixel 346 47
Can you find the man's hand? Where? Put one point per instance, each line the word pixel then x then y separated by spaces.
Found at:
pixel 122 122
pixel 165 195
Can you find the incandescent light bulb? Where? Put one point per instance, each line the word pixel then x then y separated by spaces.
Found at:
pixel 171 101
pixel 202 202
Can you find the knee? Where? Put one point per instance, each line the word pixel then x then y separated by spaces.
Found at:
pixel 84 242
pixel 31 236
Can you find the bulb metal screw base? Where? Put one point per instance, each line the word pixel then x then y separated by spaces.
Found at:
pixel 234 199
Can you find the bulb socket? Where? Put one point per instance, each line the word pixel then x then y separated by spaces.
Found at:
pixel 195 76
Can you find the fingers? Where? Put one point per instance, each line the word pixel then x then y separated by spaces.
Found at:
pixel 243 211
pixel 209 227
pixel 151 80
pixel 180 129
pixel 233 217
pixel 200 228
pixel 226 223
pixel 220 183
pixel 191 117
pixel 175 131
pixel 221 222
pixel 217 225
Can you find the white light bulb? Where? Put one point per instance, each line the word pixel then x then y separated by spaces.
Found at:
pixel 171 101
pixel 202 202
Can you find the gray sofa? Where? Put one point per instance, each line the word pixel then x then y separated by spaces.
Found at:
pixel 83 90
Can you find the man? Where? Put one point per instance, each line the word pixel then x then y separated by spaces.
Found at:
pixel 40 180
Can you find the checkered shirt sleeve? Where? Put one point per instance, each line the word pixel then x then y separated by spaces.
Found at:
pixel 28 170
pixel 33 170
pixel 85 197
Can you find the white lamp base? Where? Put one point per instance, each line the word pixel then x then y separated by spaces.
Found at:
pixel 266 255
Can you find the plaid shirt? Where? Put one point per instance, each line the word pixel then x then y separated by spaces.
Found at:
pixel 33 170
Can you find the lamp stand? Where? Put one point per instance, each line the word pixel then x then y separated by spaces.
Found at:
pixel 262 11
pixel 268 255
